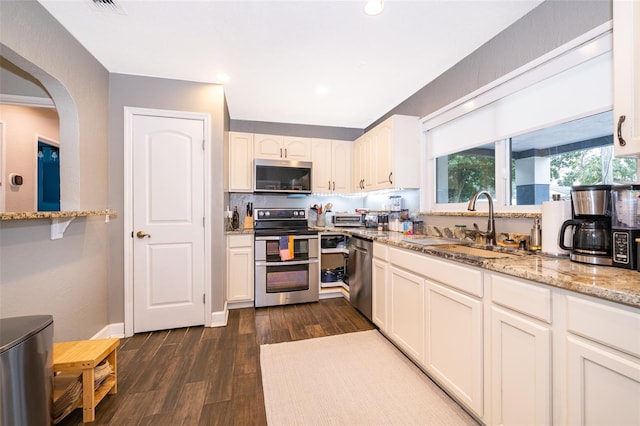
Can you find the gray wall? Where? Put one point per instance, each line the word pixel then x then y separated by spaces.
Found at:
pixel 14 81
pixel 66 278
pixel 300 130
pixel 156 93
pixel 548 26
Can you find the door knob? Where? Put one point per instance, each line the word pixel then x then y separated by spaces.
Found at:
pixel 141 234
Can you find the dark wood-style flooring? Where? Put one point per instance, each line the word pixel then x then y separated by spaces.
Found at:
pixel 211 376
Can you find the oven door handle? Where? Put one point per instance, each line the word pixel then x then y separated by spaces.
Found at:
pixel 295 237
pixel 287 263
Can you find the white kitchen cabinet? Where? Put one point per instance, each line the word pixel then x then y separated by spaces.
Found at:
pixel 626 77
pixel 240 162
pixel 602 362
pixel 380 286
pixel 407 312
pixel 275 147
pixel 603 385
pixel 240 266
pixel 331 165
pixel 520 352
pixel 388 156
pixel 454 343
pixel 361 165
pixel 520 369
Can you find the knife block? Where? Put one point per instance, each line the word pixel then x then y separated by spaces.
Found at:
pixel 248 222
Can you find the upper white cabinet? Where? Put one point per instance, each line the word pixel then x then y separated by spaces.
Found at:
pixel 275 147
pixel 387 156
pixel 626 65
pixel 331 165
pixel 240 162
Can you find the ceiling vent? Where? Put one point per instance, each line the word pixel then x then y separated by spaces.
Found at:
pixel 108 6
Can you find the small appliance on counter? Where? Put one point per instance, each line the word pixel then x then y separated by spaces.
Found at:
pixel 591 224
pixel 348 220
pixel 625 225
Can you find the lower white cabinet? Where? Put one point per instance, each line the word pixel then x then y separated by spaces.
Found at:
pixel 407 312
pixel 454 341
pixel 520 369
pixel 602 362
pixel 379 271
pixel 240 268
pixel 603 385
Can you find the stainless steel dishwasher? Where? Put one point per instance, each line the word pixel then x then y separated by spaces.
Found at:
pixel 359 274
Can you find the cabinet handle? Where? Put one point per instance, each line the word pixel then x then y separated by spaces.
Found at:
pixel 281 153
pixel 620 138
pixel 285 153
pixel 390 176
pixel 329 186
pixel 334 185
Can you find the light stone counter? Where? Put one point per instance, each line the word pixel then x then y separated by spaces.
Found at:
pixel 605 282
pixel 55 215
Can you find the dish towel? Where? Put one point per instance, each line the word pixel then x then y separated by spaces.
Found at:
pixel 286 247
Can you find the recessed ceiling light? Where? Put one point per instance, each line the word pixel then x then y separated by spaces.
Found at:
pixel 222 77
pixel 322 90
pixel 373 7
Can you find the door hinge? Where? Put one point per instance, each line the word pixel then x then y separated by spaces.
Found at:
pixel 203 221
pixel 203 144
pixel 203 298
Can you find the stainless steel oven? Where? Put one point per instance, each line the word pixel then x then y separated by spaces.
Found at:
pixel 278 280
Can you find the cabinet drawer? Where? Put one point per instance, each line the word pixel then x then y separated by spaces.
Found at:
pixel 380 251
pixel 522 297
pixel 245 240
pixel 459 277
pixel 612 326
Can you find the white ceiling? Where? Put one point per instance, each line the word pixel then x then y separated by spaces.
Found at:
pixel 278 53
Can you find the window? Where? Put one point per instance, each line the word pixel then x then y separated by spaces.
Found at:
pixel 534 135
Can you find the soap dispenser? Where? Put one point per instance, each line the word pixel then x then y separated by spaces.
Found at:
pixel 535 243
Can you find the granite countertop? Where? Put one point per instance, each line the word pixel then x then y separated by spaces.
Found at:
pixel 604 282
pixel 55 215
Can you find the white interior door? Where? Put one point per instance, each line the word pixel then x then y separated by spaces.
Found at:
pixel 3 182
pixel 168 222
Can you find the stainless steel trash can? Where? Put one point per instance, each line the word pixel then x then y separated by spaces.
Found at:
pixel 26 370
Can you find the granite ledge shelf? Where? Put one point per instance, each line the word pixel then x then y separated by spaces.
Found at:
pixel 55 215
pixel 504 215
pixel 59 220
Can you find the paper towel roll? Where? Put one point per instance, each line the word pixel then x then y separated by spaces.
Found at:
pixel 554 213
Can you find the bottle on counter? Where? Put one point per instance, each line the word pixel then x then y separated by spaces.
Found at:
pixel 235 220
pixel 535 243
pixel 228 219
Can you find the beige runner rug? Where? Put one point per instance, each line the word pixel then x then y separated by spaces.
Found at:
pixel 350 379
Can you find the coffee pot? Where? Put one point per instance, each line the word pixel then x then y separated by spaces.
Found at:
pixel 590 224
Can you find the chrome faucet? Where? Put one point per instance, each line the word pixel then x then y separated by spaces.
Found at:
pixel 490 235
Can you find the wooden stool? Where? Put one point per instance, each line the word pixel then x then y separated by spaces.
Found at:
pixel 85 355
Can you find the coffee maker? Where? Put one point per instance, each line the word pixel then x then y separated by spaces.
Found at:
pixel 591 224
pixel 625 225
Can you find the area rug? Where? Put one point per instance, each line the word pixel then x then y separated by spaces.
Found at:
pixel 350 379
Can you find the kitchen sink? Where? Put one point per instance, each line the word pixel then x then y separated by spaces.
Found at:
pixel 433 241
pixel 476 252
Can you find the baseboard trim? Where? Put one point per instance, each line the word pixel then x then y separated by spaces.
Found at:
pixel 219 319
pixel 240 305
pixel 110 330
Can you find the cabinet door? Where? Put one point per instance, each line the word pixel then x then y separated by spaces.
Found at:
pixel 341 166
pixel 379 297
pixel 520 370
pixel 321 154
pixel 240 162
pixel 356 164
pixel 603 385
pixel 268 147
pixel 454 343
pixel 407 312
pixel 297 149
pixel 626 66
pixel 240 267
pixel 367 161
pixel 383 157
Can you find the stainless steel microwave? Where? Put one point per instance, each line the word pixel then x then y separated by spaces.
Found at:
pixel 282 176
